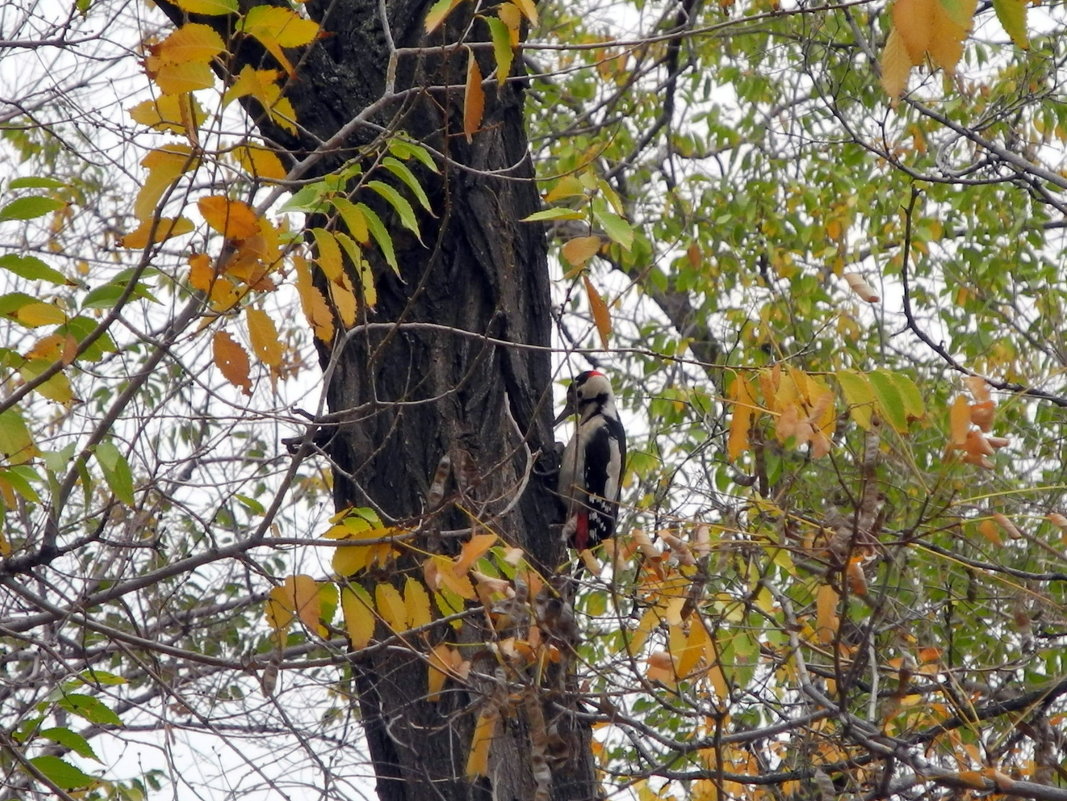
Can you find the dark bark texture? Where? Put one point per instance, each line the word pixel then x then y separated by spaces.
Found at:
pixel 401 399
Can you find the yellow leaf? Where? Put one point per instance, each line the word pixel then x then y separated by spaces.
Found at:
pixel 826 614
pixel 391 606
pixel 260 162
pixel 160 230
pixel 276 27
pixel 57 388
pixel 511 16
pixel 38 313
pixel 948 34
pixel 328 254
pixel 210 7
pixel 232 361
pixel 264 337
pixel 193 41
pixel 297 597
pixel 441 660
pixel 484 731
pixel 354 219
pixel 359 615
pixel 896 65
pixel 165 165
pixel 312 302
pixel 741 420
pixel 234 219
pixel 579 250
pixel 1012 16
pixel 914 22
pixel 567 186
pixel 417 603
pixel 437 14
pixel 174 113
pixel 473 98
pixel 344 300
pixel 959 421
pixel 599 309
pixel 528 9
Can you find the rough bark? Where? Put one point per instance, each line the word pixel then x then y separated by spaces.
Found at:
pixel 420 395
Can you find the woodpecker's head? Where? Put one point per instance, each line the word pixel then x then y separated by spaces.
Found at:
pixel 589 393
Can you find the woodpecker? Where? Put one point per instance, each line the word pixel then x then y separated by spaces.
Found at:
pixel 590 474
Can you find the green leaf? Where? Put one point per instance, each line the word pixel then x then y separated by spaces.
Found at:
pixel 35 182
pixel 614 226
pixel 859 396
pixel 399 204
pixel 1012 16
pixel 311 199
pixel 95 678
pixel 405 149
pixel 558 213
pixel 381 236
pixel 80 328
pixel 16 444
pixel 401 171
pixel 72 740
pixel 914 405
pixel 116 469
pixel 19 477
pixel 251 504
pixel 28 208
pixel 62 774
pixel 502 51
pixel 32 268
pixel 890 401
pixel 89 707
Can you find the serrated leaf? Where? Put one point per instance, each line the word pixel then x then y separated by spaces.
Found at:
pixel 62 774
pixel 16 444
pixel 29 208
pixel 417 603
pixel 165 165
pixel 263 335
pixel 208 7
pixel 234 219
pixel 260 162
pixel 31 268
pixel 328 254
pixel 56 388
pixel 890 401
pixel 407 177
pixel 116 469
pixel 913 20
pixel 528 9
pixel 381 236
pixel 859 396
pixel 437 14
pixel 90 708
pixel 232 361
pixel 557 213
pixel 404 149
pixel 484 733
pixel 70 740
pixel 37 313
pixel 174 113
pixel 502 50
pixel 400 205
pixel 473 98
pixel 391 606
pixel 614 226
pixel 1012 17
pixel 313 303
pixel 276 27
pixel 358 609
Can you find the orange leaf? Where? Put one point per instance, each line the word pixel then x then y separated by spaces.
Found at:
pixel 857 580
pixel 579 250
pixel 472 551
pixel 264 337
pixel 741 419
pixel 826 614
pixel 232 360
pixel 441 661
pixel 1007 526
pixel 959 421
pixel 234 219
pixel 312 302
pixel 473 98
pixel 484 731
pixel 601 315
pixel 947 34
pixel 914 21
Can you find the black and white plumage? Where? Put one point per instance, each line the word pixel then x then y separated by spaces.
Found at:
pixel 590 475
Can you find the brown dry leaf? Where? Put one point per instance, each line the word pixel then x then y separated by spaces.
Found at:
pixel 232 361
pixel 473 98
pixel 1007 526
pixel 959 421
pixel 826 614
pixel 858 284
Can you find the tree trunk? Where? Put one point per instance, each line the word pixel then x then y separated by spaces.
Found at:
pixel 406 397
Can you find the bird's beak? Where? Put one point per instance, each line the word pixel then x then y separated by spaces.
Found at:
pixel 569 408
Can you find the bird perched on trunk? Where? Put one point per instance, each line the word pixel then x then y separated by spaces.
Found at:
pixel 590 474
